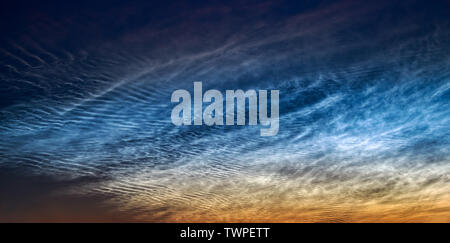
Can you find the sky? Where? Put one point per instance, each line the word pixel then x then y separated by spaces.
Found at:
pixel 85 111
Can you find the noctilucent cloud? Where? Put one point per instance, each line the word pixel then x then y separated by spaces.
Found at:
pixel 364 111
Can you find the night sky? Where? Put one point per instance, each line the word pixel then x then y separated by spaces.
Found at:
pixel 85 111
